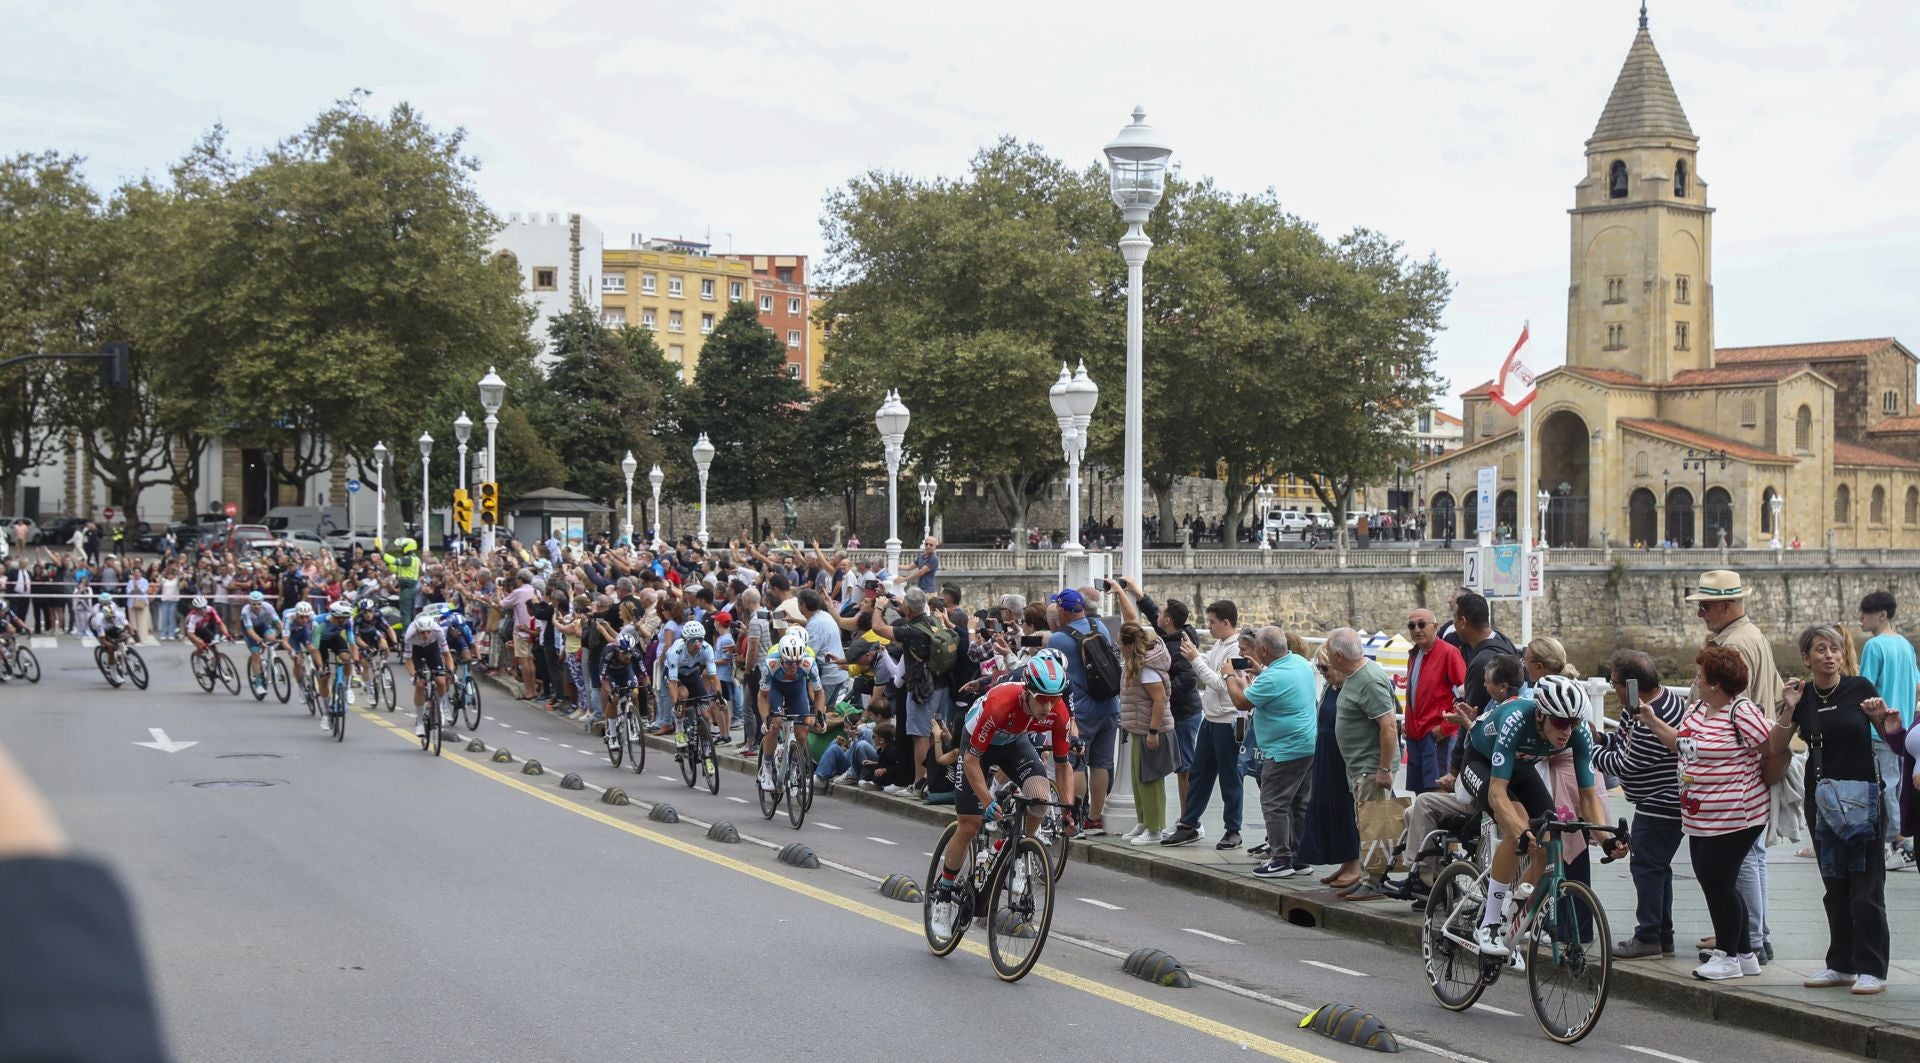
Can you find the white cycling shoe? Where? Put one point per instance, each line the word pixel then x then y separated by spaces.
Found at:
pixel 1490 941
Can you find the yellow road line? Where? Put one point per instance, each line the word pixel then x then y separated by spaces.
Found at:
pixel 1144 1005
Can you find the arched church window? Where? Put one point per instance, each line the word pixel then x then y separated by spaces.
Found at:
pixel 1803 429
pixel 1641 465
pixel 1680 178
pixel 1877 506
pixel 1913 506
pixel 1842 505
pixel 1617 180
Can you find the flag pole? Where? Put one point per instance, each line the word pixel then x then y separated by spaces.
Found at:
pixel 1523 512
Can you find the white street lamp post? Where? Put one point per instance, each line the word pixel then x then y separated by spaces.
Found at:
pixel 891 418
pixel 1073 397
pixel 1137 177
pixel 628 466
pixel 1776 503
pixel 928 487
pixel 462 431
pixel 493 393
pixel 656 478
pixel 1545 500
pixel 703 458
pixel 379 493
pixel 426 495
pixel 1266 506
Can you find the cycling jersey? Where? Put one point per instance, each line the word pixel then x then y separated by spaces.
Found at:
pixel 1510 733
pixel 680 663
pixel 206 623
pixel 788 695
pixel 299 631
pixel 619 670
pixel 333 636
pixel 425 632
pixel 258 620
pixel 459 632
pixel 107 621
pixel 999 719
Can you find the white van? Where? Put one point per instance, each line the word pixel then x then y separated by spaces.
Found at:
pixel 316 519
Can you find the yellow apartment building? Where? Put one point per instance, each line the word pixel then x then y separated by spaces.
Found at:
pixel 680 296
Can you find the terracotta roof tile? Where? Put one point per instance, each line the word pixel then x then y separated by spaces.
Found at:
pixel 1456 452
pixel 1688 437
pixel 1602 376
pixel 1483 389
pixel 1801 352
pixel 1854 454
pixel 1909 423
pixel 1443 417
pixel 1734 374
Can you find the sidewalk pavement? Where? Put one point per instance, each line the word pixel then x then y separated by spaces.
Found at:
pixel 1879 1027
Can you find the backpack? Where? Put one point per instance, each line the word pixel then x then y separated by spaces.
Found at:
pixel 1102 664
pixel 943 646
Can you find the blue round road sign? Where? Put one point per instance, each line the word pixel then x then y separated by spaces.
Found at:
pixel 353 486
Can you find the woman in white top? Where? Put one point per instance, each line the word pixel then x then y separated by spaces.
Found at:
pixel 138 588
pixel 169 601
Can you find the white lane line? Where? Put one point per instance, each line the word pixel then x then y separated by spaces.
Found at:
pixel 1214 937
pixel 1102 904
pixel 827 826
pixel 668 778
pixel 497 723
pixel 736 800
pixel 1336 970
pixel 583 753
pixel 1657 1054
pixel 544 738
pixel 927 855
pixel 564 745
pixel 518 731
pixel 882 841
pixel 1498 1011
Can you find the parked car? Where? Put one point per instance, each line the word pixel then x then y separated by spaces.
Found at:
pixel 1323 521
pixel 59 531
pixel 249 536
pixel 301 540
pixel 1288 522
pixel 7 531
pixel 342 541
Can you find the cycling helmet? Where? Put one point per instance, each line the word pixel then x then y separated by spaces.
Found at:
pixel 693 632
pixel 792 644
pixel 369 606
pixel 304 609
pixel 625 644
pixel 341 608
pixel 198 602
pixel 104 598
pixel 1047 674
pixel 1560 697
pixel 256 597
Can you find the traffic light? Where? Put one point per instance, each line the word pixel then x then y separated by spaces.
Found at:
pixel 489 502
pixel 463 510
pixel 113 366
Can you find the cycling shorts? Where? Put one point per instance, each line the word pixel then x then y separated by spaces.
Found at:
pixel 695 683
pixel 788 699
pixel 298 638
pixel 1019 760
pixel 334 645
pixel 459 639
pixel 1526 787
pixel 427 661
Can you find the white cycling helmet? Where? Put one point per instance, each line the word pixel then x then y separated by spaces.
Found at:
pixel 104 598
pixel 1560 697
pixel 304 609
pixel 341 607
pixel 793 644
pixel 693 632
pixel 256 597
pixel 199 602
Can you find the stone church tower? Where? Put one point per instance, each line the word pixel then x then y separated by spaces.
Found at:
pixel 1640 298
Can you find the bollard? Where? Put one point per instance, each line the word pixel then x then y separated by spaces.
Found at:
pixel 798 855
pixel 663 813
pixel 614 796
pixel 723 832
pixel 476 746
pixel 501 756
pixel 571 781
pixel 1344 1022
pixel 533 768
pixel 1155 966
pixel 900 888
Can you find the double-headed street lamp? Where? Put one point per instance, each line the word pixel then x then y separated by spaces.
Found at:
pixel 1264 498
pixel 1137 178
pixel 703 459
pixel 426 492
pixel 1545 501
pixel 493 392
pixel 928 488
pixel 1073 398
pixel 656 478
pixel 462 431
pixel 379 493
pixel 891 419
pixel 628 466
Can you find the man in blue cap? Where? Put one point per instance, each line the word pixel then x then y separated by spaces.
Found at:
pixel 1096 718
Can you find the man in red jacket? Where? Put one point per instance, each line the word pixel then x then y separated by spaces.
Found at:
pixel 1434 669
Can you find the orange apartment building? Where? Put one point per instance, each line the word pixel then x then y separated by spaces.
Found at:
pixel 780 295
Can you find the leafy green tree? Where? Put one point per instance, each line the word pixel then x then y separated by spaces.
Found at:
pixel 841 450
pixel 750 410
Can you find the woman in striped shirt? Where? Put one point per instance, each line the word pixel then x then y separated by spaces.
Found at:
pixel 1722 742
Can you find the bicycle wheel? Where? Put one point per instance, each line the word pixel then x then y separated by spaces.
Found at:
pixel 770 796
pixel 229 675
pixel 202 671
pixel 434 730
pixel 136 668
pixel 310 693
pixel 26 665
pixel 1019 911
pixel 339 711
pixel 100 661
pixel 686 734
pixel 1454 971
pixel 940 946
pixel 709 761
pixel 799 783
pixel 1568 973
pixel 282 681
pixel 634 735
pixel 257 683
pixel 471 708
pixel 1053 836
pixel 389 694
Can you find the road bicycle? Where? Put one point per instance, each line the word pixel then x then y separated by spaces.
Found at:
pixel 119 662
pixel 625 733
pixel 18 661
pixel 1006 886
pixel 1055 831
pixel 693 742
pixel 211 665
pixel 376 678
pixel 792 771
pixel 464 693
pixel 1562 926
pixel 439 708
pixel 337 703
pixel 266 668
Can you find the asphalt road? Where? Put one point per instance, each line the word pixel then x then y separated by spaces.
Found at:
pixel 373 903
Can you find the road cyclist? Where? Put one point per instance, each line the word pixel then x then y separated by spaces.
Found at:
pixel 430 663
pixel 259 626
pixel 693 680
pixel 299 627
pixel 790 693
pixel 114 638
pixel 334 639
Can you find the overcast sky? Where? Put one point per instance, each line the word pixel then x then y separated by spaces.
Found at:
pixel 1456 128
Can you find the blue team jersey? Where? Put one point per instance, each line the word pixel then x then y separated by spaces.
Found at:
pixel 681 663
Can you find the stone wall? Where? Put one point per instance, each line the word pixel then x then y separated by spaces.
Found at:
pixel 1594 611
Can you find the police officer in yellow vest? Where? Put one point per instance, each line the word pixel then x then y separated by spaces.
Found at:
pixel 406 573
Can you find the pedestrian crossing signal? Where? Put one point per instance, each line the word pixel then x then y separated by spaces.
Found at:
pixel 462 510
pixel 489 503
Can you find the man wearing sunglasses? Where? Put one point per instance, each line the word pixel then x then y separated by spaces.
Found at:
pixel 1434 669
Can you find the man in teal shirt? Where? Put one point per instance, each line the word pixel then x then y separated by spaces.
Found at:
pixel 1280 695
pixel 1887 661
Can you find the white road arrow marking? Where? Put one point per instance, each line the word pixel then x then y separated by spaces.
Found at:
pixel 164 744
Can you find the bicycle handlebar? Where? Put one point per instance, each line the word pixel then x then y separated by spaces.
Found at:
pixel 1547 823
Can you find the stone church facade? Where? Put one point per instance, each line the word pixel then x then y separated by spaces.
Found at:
pixel 1650 432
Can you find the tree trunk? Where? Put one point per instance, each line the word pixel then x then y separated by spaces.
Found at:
pixel 1011 499
pixel 753 517
pixel 1163 493
pixel 186 473
pixel 1236 504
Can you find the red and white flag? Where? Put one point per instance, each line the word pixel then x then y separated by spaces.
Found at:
pixel 1514 389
